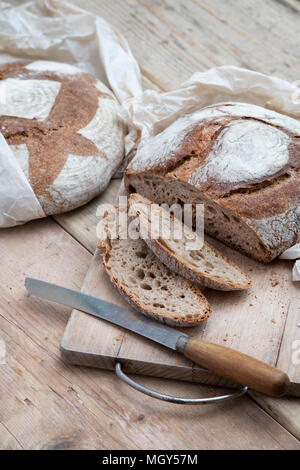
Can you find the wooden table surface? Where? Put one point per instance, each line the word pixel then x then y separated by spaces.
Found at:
pixel 48 404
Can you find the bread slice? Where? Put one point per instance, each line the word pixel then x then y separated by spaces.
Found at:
pixel 174 245
pixel 145 282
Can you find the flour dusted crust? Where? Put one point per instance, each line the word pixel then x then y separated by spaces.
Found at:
pixel 242 161
pixel 63 127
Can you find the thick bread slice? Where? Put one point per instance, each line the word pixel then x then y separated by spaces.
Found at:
pixel 172 244
pixel 145 282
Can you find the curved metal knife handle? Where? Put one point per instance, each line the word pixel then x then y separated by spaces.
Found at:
pixel 233 365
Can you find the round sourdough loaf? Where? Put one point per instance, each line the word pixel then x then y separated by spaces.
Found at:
pixel 241 161
pixel 63 127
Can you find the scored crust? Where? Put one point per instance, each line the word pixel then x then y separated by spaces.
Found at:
pixel 63 127
pixel 195 306
pixel 241 161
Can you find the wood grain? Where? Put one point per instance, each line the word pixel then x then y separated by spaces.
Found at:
pixel 82 223
pixel 238 367
pixel 172 40
pixel 289 353
pixel 47 404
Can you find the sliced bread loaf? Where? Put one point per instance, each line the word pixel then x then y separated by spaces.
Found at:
pixel 241 161
pixel 177 247
pixel 144 281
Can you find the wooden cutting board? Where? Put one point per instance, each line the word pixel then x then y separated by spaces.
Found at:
pixel 264 323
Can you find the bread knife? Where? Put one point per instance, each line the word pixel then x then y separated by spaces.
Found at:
pixel 233 365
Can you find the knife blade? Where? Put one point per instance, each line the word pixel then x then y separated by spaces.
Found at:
pixel 106 311
pixel 233 365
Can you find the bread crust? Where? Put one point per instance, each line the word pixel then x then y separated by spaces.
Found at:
pixel 175 264
pixel 64 149
pixel 265 197
pixel 105 244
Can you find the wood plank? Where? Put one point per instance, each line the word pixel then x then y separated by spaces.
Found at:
pixel 285 411
pixel 289 353
pixel 42 409
pixel 7 441
pixel 37 405
pixel 293 5
pixel 214 27
pixel 82 223
pixel 172 40
pixel 46 404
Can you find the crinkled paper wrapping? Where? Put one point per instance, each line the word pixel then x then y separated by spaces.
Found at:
pixel 293 253
pixel 52 30
pixel 151 112
pixel 56 30
pixel 296 271
pixel 16 196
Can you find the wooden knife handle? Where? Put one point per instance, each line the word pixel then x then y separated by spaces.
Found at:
pixel 240 368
